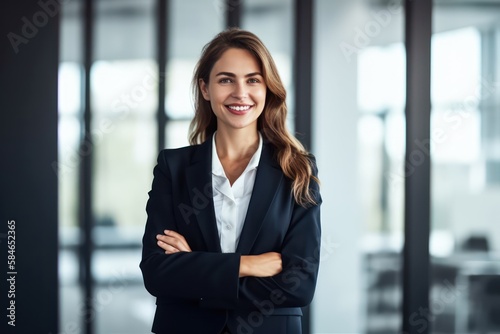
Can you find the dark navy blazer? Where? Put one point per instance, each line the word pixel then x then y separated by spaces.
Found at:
pixel 200 292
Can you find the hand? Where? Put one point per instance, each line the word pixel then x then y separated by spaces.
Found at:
pixel 172 242
pixel 263 265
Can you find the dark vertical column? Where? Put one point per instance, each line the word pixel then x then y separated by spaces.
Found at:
pixel 302 70
pixel 233 13
pixel 302 75
pixel 29 53
pixel 418 32
pixel 85 182
pixel 162 53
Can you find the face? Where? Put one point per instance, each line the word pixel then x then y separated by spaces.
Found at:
pixel 236 90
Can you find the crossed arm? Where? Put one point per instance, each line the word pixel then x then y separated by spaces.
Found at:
pixel 188 274
pixel 263 265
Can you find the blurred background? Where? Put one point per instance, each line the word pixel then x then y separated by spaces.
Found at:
pixel 358 136
pixel 111 86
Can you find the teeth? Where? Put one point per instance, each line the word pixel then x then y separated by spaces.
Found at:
pixel 238 108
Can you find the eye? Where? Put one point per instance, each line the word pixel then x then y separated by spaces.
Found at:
pixel 225 80
pixel 253 80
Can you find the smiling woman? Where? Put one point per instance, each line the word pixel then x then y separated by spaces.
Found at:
pixel 236 91
pixel 233 232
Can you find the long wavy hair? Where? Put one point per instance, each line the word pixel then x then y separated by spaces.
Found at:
pixel 291 155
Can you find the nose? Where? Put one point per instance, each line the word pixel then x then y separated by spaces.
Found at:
pixel 240 91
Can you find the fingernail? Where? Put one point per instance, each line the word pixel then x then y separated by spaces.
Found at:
pixel 158 236
pixel 166 231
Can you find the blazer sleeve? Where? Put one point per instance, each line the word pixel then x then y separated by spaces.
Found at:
pixel 183 275
pixel 295 285
pixel 191 275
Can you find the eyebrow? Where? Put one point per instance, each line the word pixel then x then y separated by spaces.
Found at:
pixel 232 75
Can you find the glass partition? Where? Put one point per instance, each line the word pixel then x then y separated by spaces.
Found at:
pixel 124 95
pixel 465 138
pixel 124 101
pixel 69 158
pixel 359 98
pixel 186 39
pixel 273 22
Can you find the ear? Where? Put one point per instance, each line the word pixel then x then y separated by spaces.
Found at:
pixel 204 89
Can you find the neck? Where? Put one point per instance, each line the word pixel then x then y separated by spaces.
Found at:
pixel 235 144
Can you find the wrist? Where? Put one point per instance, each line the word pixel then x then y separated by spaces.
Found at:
pixel 245 267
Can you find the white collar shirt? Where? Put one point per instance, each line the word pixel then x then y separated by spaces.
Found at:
pixel 231 202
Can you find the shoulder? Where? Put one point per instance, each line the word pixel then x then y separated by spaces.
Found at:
pixel 312 161
pixel 178 152
pixel 183 156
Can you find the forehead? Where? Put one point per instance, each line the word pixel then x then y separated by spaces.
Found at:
pixel 237 61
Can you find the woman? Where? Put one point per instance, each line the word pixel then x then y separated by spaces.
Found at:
pixel 233 232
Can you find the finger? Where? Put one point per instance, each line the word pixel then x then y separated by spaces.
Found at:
pixel 176 235
pixel 173 234
pixel 170 241
pixel 167 248
pixel 174 242
pixel 165 240
pixel 179 237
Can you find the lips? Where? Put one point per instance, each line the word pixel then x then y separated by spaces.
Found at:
pixel 239 109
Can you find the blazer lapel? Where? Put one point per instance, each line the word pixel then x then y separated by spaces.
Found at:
pixel 267 181
pixel 199 181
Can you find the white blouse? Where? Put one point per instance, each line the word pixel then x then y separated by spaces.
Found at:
pixel 231 202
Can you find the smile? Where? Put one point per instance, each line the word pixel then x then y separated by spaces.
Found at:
pixel 239 109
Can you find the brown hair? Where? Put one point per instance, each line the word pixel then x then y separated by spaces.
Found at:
pixel 291 155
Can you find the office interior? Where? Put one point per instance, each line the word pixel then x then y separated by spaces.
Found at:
pixel 112 86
